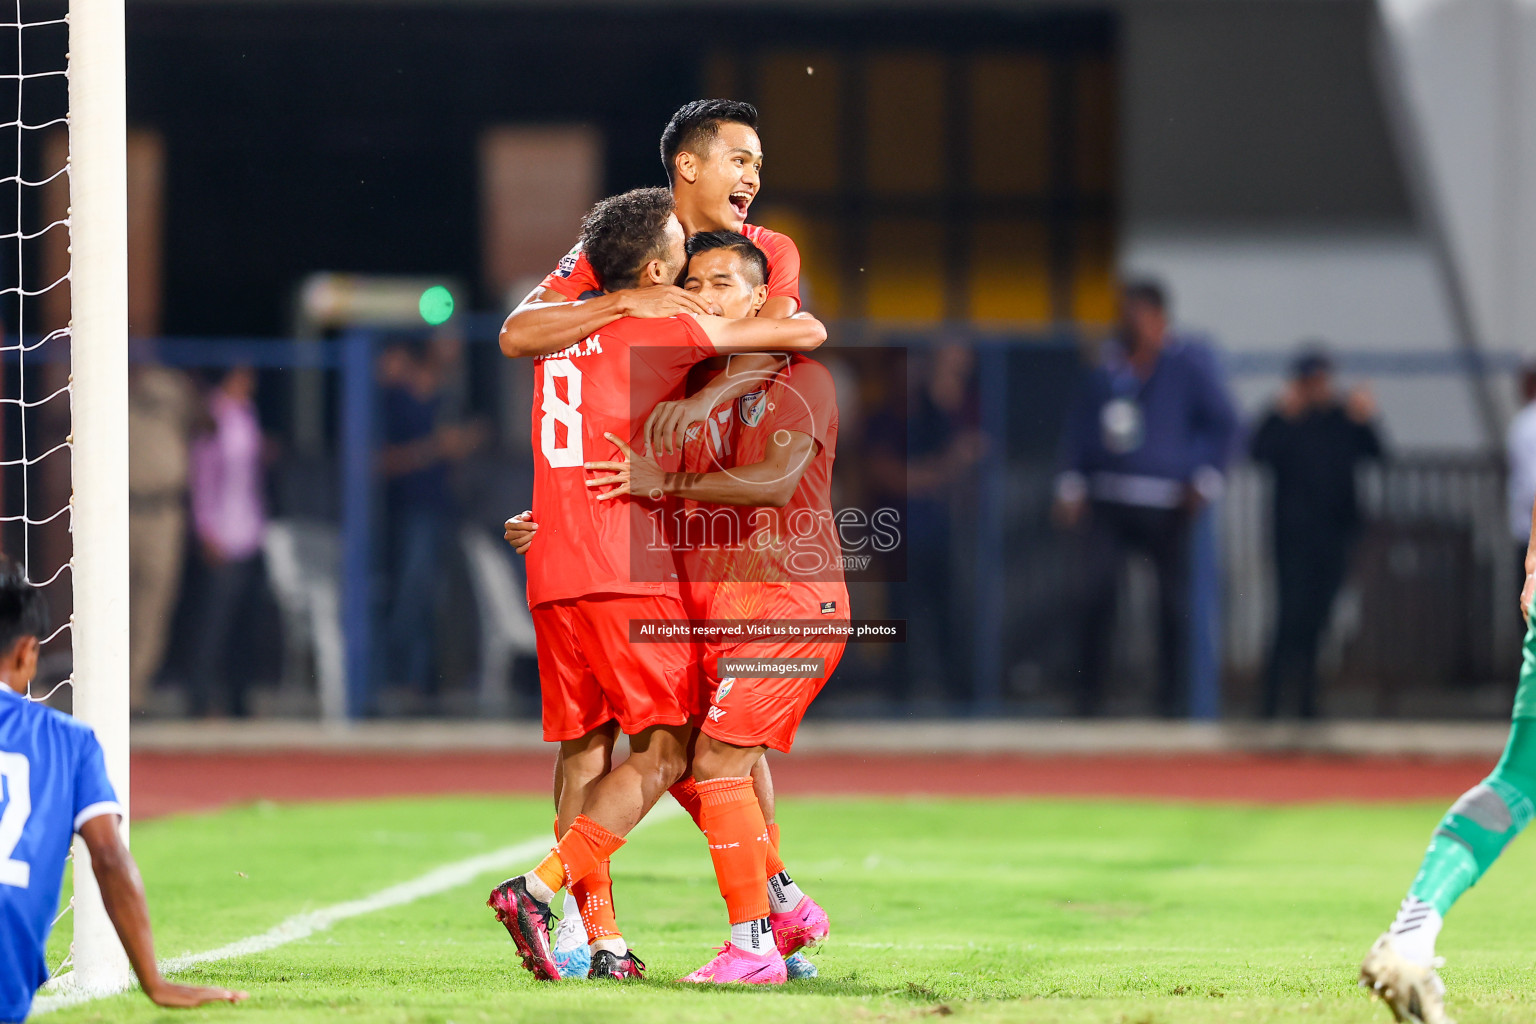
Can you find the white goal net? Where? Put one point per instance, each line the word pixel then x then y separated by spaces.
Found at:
pixel 63 387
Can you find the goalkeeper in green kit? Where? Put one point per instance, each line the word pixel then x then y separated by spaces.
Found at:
pixel 1400 968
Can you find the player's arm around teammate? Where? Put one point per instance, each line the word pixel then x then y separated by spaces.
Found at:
pixel 766 484
pixel 713 158
pixel 546 321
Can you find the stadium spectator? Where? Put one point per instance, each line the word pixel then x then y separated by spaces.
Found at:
pixel 1143 450
pixel 1520 449
pixel 929 455
pixel 1312 440
pixel 229 516
pixel 419 450
pixel 163 412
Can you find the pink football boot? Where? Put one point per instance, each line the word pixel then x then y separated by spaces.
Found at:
pixel 733 965
pixel 800 928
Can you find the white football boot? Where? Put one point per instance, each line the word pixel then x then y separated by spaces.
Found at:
pixel 1414 993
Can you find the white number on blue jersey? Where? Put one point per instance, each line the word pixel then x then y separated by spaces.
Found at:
pixel 568 413
pixel 16 771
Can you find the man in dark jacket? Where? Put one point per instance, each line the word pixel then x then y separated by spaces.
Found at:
pixel 1312 441
pixel 1144 449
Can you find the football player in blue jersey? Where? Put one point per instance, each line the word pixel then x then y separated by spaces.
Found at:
pixel 54 785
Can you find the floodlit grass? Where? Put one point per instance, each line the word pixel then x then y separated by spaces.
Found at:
pixel 990 910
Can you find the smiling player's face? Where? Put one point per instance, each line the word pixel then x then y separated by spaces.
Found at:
pixel 729 176
pixel 718 276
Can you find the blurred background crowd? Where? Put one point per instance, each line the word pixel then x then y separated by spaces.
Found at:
pixel 1146 317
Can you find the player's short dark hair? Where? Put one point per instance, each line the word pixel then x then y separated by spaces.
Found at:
pixel 751 256
pixel 695 126
pixel 1147 291
pixel 23 611
pixel 1312 357
pixel 622 233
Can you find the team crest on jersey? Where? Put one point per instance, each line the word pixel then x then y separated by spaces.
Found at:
pixel 752 408
pixel 567 265
pixel 828 607
pixel 724 689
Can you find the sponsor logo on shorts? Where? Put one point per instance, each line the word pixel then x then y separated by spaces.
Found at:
pixel 724 690
pixel 828 607
pixel 716 713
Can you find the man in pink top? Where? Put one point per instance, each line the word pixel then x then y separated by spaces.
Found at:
pixel 229 519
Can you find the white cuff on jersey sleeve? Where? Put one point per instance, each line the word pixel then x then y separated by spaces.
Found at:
pixel 96 811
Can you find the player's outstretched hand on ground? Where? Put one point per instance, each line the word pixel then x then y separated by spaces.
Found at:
pixel 519 531
pixel 662 301
pixel 188 996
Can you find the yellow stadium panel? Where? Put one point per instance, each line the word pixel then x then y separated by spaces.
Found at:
pixel 1010 278
pixel 1094 286
pixel 903 272
pixel 820 245
pixel 801 108
pixel 1096 117
pixel 1010 125
pixel 905 133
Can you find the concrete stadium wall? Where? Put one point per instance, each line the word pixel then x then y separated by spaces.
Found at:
pixel 1260 180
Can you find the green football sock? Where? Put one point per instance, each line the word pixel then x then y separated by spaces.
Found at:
pixel 1479 825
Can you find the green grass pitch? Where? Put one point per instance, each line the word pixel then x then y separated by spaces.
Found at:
pixel 987 910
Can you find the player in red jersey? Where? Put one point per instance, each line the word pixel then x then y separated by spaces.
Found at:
pixel 713 159
pixel 598 568
pixel 771 449
pixel 772 486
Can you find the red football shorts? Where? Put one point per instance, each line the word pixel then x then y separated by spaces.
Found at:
pixel 590 673
pixel 765 711
pixel 751 712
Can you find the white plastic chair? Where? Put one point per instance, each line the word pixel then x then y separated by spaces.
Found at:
pixel 304 565
pixel 506 627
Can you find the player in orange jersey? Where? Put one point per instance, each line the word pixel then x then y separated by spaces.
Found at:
pixel 769 455
pixel 713 158
pixel 598 567
pixel 771 449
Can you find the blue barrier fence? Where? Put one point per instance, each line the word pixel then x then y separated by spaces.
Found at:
pixel 352 357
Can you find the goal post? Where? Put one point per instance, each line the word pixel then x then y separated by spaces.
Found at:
pixel 98 229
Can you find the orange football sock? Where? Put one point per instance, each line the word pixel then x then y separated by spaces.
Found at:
pixel 775 864
pixel 686 792
pixel 551 870
pixel 738 845
pixel 578 853
pixel 594 895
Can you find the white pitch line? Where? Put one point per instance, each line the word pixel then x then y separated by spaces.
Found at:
pixel 62 991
